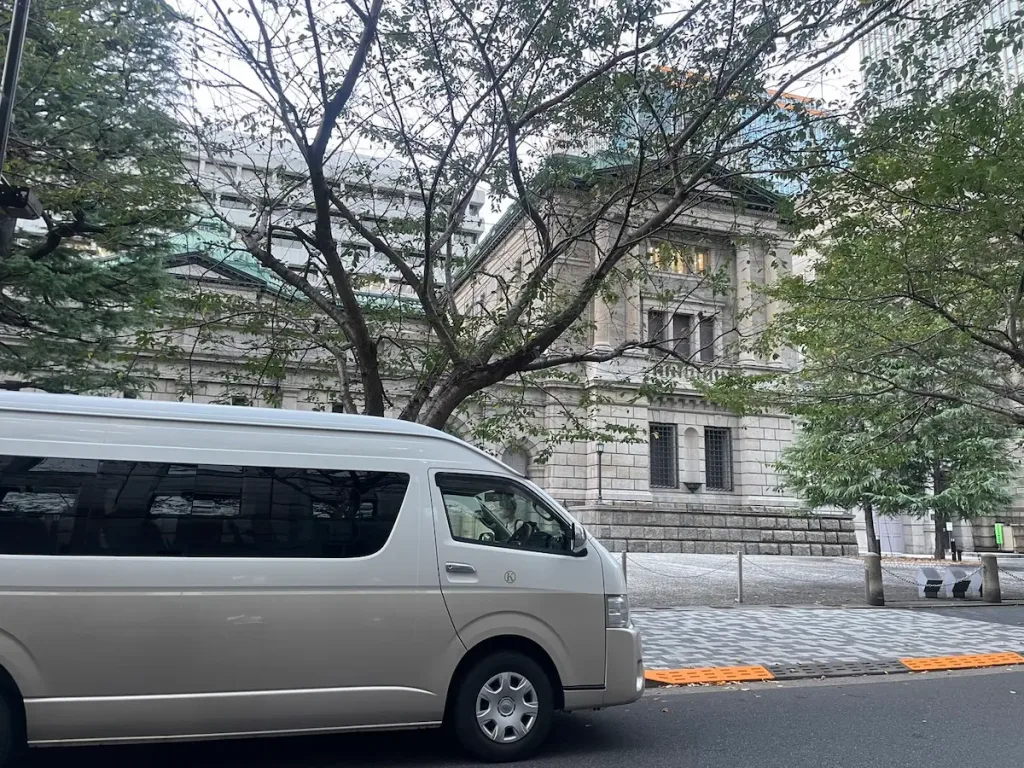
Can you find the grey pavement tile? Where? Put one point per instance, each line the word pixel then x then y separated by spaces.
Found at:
pixel 701 637
pixel 668 580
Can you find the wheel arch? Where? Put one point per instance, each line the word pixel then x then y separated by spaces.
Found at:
pixel 498 644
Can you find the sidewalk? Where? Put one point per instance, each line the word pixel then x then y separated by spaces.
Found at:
pixel 789 643
pixel 671 581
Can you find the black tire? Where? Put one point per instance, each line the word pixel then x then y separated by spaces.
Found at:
pixel 11 739
pixel 464 715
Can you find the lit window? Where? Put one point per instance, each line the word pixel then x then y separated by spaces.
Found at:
pixel 681 259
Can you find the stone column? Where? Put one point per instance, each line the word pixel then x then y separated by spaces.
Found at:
pixel 744 299
pixel 603 330
pixel 777 265
pixel 873 589
pixel 990 591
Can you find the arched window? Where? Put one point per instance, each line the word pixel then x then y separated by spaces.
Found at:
pixel 518 459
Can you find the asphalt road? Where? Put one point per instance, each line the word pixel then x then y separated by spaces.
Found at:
pixel 907 721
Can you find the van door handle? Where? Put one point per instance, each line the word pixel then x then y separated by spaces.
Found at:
pixel 459 568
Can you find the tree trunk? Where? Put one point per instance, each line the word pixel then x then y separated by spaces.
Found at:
pixel 373 387
pixel 938 486
pixel 450 393
pixel 940 537
pixel 437 412
pixel 869 529
pixel 7 231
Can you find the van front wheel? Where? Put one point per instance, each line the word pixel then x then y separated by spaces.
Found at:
pixel 503 708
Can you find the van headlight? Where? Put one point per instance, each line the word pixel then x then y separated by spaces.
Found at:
pixel 616 611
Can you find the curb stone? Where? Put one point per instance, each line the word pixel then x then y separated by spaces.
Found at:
pixel 768 672
pixel 907 605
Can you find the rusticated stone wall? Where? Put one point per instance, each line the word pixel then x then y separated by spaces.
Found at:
pixel 718 530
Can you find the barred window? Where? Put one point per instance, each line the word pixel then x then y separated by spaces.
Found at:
pixel 664 466
pixel 718 458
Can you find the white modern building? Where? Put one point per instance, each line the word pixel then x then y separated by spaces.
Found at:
pixel 261 187
pixel 967 40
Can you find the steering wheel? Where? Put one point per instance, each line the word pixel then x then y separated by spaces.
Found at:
pixel 522 534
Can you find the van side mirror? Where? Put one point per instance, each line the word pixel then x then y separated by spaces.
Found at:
pixel 579 540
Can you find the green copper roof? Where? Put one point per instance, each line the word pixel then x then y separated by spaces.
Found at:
pixel 219 247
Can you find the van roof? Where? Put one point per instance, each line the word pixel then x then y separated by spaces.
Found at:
pixel 221 414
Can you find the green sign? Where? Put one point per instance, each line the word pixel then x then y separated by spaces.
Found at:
pixel 999 534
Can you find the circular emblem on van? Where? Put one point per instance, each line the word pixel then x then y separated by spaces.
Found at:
pixel 510 577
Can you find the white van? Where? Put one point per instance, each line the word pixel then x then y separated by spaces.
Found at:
pixel 174 571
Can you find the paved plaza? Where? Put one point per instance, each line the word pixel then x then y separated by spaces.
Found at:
pixel 673 580
pixel 713 637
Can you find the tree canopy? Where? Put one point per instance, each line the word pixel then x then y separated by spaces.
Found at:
pixel 95 138
pixel 893 453
pixel 908 315
pixel 600 127
pixel 917 253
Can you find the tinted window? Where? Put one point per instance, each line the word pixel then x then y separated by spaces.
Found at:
pixel 130 508
pixel 495 511
pixel 39 501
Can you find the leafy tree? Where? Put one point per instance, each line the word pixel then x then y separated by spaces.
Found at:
pixel 917 251
pixel 893 453
pixel 94 136
pixel 909 315
pixel 601 126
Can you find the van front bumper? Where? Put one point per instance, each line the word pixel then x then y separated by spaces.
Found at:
pixel 623 676
pixel 624 666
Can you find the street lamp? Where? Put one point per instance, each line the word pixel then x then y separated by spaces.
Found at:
pixel 600 472
pixel 15 202
pixel 12 63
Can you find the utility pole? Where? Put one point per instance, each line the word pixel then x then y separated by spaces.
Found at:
pixel 12 65
pixel 15 202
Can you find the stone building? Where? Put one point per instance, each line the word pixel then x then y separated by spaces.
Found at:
pixel 693 477
pixel 701 481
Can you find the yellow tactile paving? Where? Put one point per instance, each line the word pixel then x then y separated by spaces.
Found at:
pixel 699 675
pixel 932 663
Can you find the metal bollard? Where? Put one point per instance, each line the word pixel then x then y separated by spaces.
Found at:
pixel 990 592
pixel 624 577
pixel 873 579
pixel 739 577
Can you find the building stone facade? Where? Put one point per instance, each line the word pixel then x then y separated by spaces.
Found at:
pixel 718 529
pixel 713 490
pixel 692 478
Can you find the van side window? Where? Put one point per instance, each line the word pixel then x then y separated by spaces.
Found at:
pixel 496 511
pixel 129 508
pixel 39 501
